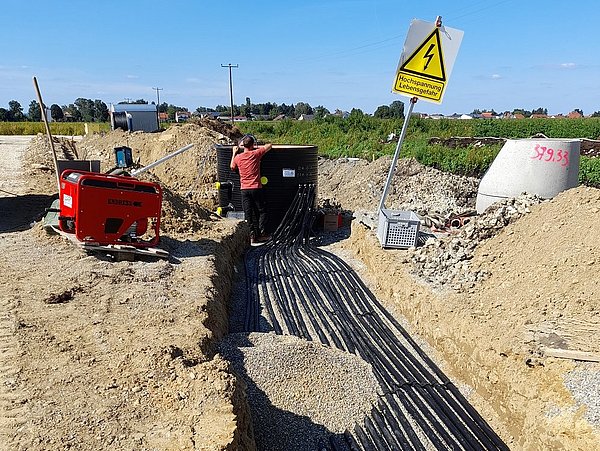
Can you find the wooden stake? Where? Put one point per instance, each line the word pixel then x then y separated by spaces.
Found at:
pixel 45 119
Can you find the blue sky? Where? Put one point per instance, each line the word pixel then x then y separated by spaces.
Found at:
pixel 339 54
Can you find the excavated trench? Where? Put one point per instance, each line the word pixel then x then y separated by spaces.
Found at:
pixel 292 288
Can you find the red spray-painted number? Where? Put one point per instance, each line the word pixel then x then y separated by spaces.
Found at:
pixel 550 155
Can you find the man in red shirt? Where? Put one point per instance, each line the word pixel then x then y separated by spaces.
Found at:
pixel 246 159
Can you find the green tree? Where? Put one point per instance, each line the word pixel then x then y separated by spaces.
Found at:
pixel 594 114
pixel 71 112
pixel 86 109
pixel 35 113
pixel 100 111
pixel 163 107
pixel 56 112
pixel 577 110
pixel 4 115
pixel 302 108
pixel 397 109
pixel 320 111
pixel 540 111
pixel 15 111
pixel 525 113
pixel 382 112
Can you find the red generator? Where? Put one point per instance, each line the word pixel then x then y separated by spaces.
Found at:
pixel 108 209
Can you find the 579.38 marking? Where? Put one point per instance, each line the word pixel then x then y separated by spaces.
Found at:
pixel 550 155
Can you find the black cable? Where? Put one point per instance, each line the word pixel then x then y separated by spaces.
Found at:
pixel 315 290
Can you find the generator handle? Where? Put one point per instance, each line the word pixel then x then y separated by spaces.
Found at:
pixel 135 172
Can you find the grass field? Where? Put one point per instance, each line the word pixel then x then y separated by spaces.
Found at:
pixel 366 137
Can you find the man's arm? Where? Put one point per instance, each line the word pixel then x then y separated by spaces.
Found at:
pixel 268 147
pixel 234 152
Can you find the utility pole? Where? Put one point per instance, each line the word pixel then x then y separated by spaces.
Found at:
pixel 158 104
pixel 230 66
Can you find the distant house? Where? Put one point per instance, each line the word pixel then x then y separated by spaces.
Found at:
pixel 163 117
pixel 436 116
pixel 539 116
pixel 519 116
pixel 279 118
pixel 209 114
pixel 574 115
pixel 235 118
pixel 488 115
pixel 306 117
pixel 182 116
pixel 465 116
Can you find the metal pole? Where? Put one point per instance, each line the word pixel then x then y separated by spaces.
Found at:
pixel 395 160
pixel 45 118
pixel 158 105
pixel 230 66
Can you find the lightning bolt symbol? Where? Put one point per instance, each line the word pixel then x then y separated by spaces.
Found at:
pixel 428 55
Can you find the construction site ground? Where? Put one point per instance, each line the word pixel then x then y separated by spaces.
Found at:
pixel 103 354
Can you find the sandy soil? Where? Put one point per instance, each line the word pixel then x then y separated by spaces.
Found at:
pixel 542 292
pixel 97 354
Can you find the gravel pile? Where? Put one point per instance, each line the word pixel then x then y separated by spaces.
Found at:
pixel 300 392
pixel 583 383
pixel 445 262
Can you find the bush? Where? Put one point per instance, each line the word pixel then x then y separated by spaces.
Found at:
pixel 589 171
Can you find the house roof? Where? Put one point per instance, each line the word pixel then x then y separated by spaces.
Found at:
pixel 121 107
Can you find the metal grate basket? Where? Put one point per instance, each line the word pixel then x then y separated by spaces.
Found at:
pixel 398 229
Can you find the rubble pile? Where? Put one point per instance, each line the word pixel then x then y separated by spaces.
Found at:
pixel 444 263
pixel 358 185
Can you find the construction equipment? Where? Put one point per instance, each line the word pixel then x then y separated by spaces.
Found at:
pixel 104 209
pixel 112 212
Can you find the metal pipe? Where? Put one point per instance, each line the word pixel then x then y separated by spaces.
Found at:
pixel 396 153
pixel 136 172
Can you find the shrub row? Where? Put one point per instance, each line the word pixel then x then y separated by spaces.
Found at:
pixel 366 137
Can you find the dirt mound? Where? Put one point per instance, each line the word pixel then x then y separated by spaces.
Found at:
pixel 358 185
pixel 538 291
pixel 190 174
pixel 187 179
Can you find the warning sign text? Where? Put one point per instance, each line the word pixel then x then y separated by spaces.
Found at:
pixel 419 86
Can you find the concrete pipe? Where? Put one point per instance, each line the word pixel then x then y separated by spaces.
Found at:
pixel 542 166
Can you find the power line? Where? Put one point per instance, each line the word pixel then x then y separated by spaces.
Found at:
pixel 230 66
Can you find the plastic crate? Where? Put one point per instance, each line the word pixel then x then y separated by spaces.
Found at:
pixel 398 229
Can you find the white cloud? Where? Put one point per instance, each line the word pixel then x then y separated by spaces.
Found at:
pixel 132 77
pixel 496 76
pixel 568 65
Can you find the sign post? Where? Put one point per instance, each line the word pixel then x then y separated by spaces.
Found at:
pixel 423 71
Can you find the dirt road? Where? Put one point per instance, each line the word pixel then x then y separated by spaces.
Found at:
pixel 97 354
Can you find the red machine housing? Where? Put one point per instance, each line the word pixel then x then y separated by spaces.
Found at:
pixel 109 209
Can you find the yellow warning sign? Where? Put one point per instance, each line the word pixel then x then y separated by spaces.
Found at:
pixel 427 60
pixel 417 86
